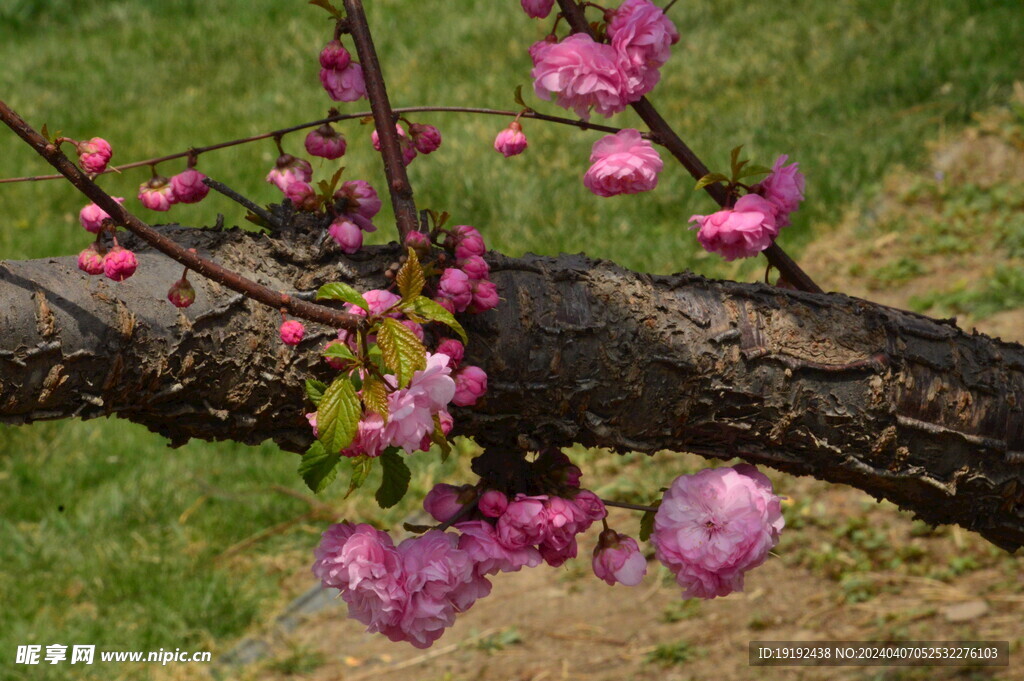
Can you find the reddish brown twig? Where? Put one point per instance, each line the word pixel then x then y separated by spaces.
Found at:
pixel 792 272
pixel 207 268
pixel 384 119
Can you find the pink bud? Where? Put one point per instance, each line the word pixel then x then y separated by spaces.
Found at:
pixel 346 234
pixel 334 56
pixel 94 155
pixel 475 267
pixel 359 198
pixel 181 293
pixel 454 349
pixel 289 169
pixel 444 500
pixel 157 194
pixel 302 196
pixel 406 144
pixel 90 261
pixel 427 138
pixel 445 302
pixel 537 9
pixel 455 286
pixel 511 141
pixel 292 332
pixel 326 142
pixel 188 186
pixel 617 558
pixel 344 85
pixel 493 503
pixel 470 385
pixel 485 296
pixel 119 264
pixel 419 242
pixel 465 241
pixel 92 216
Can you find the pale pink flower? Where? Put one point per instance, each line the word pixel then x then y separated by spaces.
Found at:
pixel 94 155
pixel 456 287
pixel 325 142
pixel 344 85
pixel 617 558
pixel 334 56
pixel 623 163
pixel 465 241
pixel 359 198
pixel 581 74
pixel 370 437
pixel 523 523
pixel 493 503
pixel 480 541
pixel 347 235
pixel 485 296
pixel 92 216
pixel 90 261
pixel 426 138
pixel 511 141
pixel 188 186
pixel 783 188
pixel 119 263
pixel 181 293
pixel 433 386
pixel 538 9
pixel 642 32
pixel 408 420
pixel 289 169
pixel 291 332
pixel 738 232
pixel 470 385
pixel 715 525
pixel 157 194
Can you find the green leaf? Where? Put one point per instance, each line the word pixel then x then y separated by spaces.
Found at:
pixel 403 352
pixel 342 291
pixel 710 178
pixel 395 481
pixel 45 132
pixel 318 468
pixel 440 439
pixel 734 159
pixel 361 467
pixel 646 525
pixel 410 278
pixel 519 98
pixel 327 6
pixel 337 416
pixel 429 309
pixel 339 351
pixel 417 529
pixel 375 396
pixel 750 171
pixel 315 390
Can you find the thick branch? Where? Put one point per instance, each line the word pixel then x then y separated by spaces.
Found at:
pixel 904 407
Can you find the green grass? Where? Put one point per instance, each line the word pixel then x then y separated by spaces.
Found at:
pixel 846 88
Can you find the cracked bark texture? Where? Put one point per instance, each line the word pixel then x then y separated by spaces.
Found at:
pixel 907 408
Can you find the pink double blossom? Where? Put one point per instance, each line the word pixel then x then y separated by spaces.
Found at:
pixel 344 85
pixel 157 194
pixel 292 332
pixel 346 234
pixel 357 197
pixel 511 141
pixel 642 32
pixel 742 231
pixel 325 142
pixel 580 74
pixel 119 263
pixel 465 241
pixel 94 155
pixel 617 559
pixel 480 540
pixel 188 186
pixel 783 188
pixel 456 287
pixel 623 163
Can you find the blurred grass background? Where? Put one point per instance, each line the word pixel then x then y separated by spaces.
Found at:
pixel 109 538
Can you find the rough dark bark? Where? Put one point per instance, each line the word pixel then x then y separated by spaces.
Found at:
pixel 904 407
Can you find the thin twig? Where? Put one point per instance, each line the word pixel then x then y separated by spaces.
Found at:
pixel 227 191
pixel 632 507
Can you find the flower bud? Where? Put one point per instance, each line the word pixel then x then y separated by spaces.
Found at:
pixel 94 155
pixel 493 503
pixel 289 169
pixel 188 186
pixel 335 56
pixel 485 296
pixel 92 216
pixel 426 138
pixel 470 385
pixel 326 142
pixel 454 349
pixel 90 261
pixel 157 194
pixel 617 558
pixel 302 196
pixel 347 235
pixel 511 141
pixel 119 264
pixel 475 267
pixel 292 332
pixel 181 293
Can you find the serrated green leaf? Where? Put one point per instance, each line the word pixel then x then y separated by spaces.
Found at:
pixel 315 390
pixel 646 525
pixel 429 309
pixel 375 396
pixel 754 170
pixel 394 482
pixel 342 291
pixel 361 467
pixel 403 352
pixel 339 351
pixel 710 178
pixel 410 278
pixel 338 414
pixel 440 439
pixel 319 468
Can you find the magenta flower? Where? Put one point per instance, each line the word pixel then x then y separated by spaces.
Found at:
pixel 181 293
pixel 94 155
pixel 642 32
pixel 465 241
pixel 335 56
pixel 783 188
pixel 511 141
pixel 470 385
pixel 623 163
pixel 581 74
pixel 475 267
pixel 303 196
pixel 523 523
pixel 454 349
pixel 485 296
pixel 188 186
pixel 292 332
pixel 334 362
pixel 738 232
pixel 359 198
pixel 538 9
pixel 92 216
pixel 426 138
pixel 443 501
pixel 715 525
pixel 90 261
pixel 419 242
pixel 455 286
pixel 157 194
pixel 346 234
pixel 119 264
pixel 493 503
pixel 344 85
pixel 617 558
pixel 325 142
pixel 447 423
pixel 590 505
pixel 289 169
pixel 370 437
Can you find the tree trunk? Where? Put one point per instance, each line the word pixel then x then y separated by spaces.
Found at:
pixel 907 408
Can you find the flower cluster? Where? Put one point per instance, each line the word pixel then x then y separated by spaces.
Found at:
pixel 467 285
pixel 160 193
pixel 340 76
pixel 583 75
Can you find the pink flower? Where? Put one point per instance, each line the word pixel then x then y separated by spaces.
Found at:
pixel 455 286
pixel 409 421
pixel 292 332
pixel 590 505
pixel 623 163
pixel 94 155
pixel 406 144
pixel 640 30
pixel 454 349
pixel 538 9
pixel 465 241
pixel 289 169
pixel 715 525
pixel 370 438
pixel 485 296
pixel 377 300
pixel 302 195
pixel 563 520
pixel 511 141
pixel 739 232
pixel 359 198
pixel 334 56
pixel 523 523
pixel 470 386
pixel 783 188
pixel 92 216
pixel 344 85
pixel 475 267
pixel 119 263
pixel 581 74
pixel 617 558
pixel 555 557
pixel 347 235
pixel 188 186
pixel 433 385
pixel 493 503
pixel 443 501
pixel 325 142
pixel 419 242
pixel 480 541
pixel 157 194
pixel 181 293
pixel 90 261
pixel 426 138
